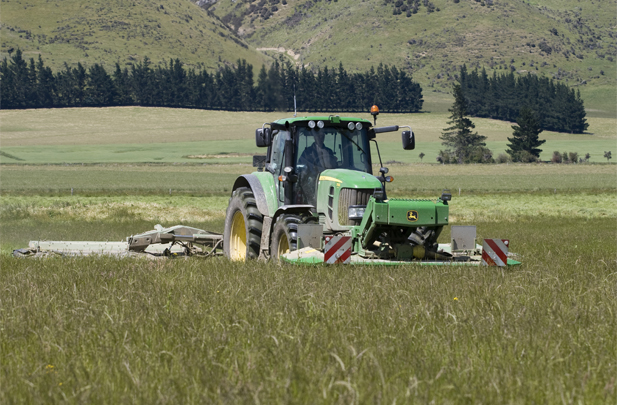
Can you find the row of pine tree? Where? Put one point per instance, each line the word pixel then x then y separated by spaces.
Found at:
pixel 502 97
pixel 34 85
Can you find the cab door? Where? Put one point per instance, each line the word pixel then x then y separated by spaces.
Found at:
pixel 277 162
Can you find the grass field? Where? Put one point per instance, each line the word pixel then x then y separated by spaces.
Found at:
pixel 162 135
pixel 200 331
pixel 202 180
pixel 109 330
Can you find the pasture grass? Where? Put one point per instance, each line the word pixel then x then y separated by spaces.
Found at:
pixel 242 151
pixel 109 330
pixel 112 330
pixel 167 135
pixel 217 179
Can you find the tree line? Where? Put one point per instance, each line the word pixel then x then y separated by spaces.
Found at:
pixel 502 97
pixel 34 85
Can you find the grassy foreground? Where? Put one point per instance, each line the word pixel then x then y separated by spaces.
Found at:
pixel 107 330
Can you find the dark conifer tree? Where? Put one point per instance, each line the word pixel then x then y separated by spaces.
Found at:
pixel 35 85
pixel 142 78
pixel 501 97
pixel 65 89
pixel 20 78
pixel 262 89
pixel 207 91
pixel 32 99
pixel 244 77
pixel 79 84
pixel 45 87
pixel 100 89
pixel 368 90
pixel 122 84
pixel 326 87
pixel 306 91
pixel 274 95
pixel 178 83
pixel 459 139
pixel 228 89
pixel 344 91
pixel 192 89
pixel 525 138
pixel 290 84
pixel 217 97
pixel 574 115
pixel 7 86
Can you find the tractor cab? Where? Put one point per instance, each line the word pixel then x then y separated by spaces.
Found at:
pixel 299 150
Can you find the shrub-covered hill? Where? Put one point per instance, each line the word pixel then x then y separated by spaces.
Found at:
pixel 570 40
pixel 122 31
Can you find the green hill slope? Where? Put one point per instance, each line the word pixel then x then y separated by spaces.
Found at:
pixel 570 40
pixel 120 31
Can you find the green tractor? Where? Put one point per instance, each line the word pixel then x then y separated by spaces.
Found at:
pixel 313 199
pixel 318 171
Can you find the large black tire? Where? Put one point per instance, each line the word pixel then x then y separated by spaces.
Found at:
pixel 426 237
pixel 243 225
pixel 284 236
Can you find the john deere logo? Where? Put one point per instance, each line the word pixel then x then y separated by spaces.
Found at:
pixel 412 216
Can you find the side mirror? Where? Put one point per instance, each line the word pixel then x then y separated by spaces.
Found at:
pixel 409 140
pixel 259 162
pixel 263 137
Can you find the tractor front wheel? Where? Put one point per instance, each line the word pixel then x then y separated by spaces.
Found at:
pixel 243 225
pixel 284 237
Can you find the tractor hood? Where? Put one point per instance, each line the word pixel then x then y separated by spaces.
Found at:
pixel 337 190
pixel 344 178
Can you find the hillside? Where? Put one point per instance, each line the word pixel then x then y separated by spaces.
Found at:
pixel 570 40
pixel 119 31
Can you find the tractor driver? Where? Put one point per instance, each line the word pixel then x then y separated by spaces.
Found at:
pixel 318 156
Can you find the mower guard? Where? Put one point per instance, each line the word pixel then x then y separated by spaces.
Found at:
pixel 309 255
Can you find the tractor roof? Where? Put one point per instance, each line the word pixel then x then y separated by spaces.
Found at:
pixel 333 119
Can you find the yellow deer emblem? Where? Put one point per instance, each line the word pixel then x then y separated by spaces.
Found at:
pixel 412 216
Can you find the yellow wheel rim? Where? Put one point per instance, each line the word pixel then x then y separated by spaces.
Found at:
pixel 283 245
pixel 237 238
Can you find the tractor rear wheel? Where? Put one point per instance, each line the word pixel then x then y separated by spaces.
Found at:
pixel 243 225
pixel 284 238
